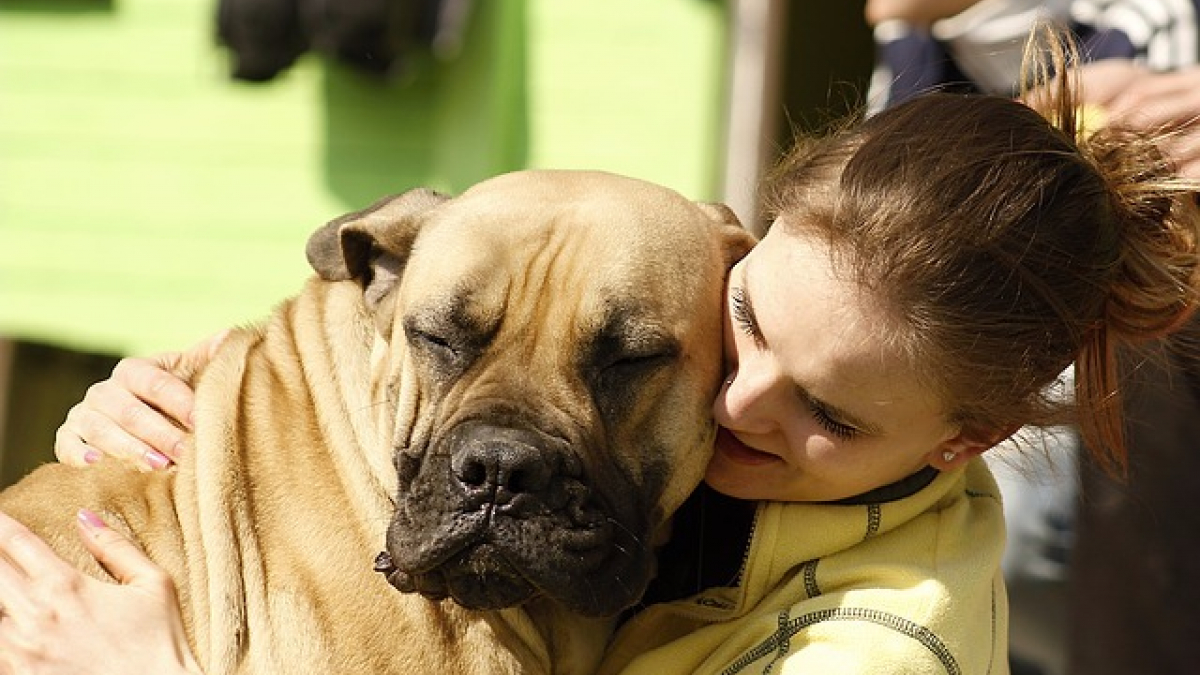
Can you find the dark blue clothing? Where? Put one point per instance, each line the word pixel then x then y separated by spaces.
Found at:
pixel 916 61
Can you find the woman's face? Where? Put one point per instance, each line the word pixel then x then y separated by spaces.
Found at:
pixel 815 406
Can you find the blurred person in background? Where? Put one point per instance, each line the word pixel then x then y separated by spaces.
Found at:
pixel 1110 587
pixel 1142 65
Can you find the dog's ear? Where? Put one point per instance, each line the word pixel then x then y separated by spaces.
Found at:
pixel 371 245
pixel 736 241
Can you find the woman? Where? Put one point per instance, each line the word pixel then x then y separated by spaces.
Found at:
pixel 928 275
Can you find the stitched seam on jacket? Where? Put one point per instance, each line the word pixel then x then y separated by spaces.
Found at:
pixel 809 570
pixel 992 656
pixel 785 644
pixel 788 628
pixel 874 515
pixel 976 494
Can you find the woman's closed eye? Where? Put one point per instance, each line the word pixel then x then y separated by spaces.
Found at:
pixel 829 423
pixel 742 312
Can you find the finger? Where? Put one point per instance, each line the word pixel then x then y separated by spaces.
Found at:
pixel 1158 85
pixel 13 594
pixel 26 551
pixel 36 586
pixel 116 553
pixel 150 381
pixel 12 580
pixel 69 447
pixel 1169 112
pixel 91 432
pixel 1190 169
pixel 1184 150
pixel 114 422
pixel 1163 99
pixel 1102 82
pixel 24 555
pixel 919 12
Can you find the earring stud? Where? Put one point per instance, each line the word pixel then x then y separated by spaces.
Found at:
pixel 949 456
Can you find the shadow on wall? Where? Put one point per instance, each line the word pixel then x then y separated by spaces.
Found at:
pixel 51 381
pixel 453 119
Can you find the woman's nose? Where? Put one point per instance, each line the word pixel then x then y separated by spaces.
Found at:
pixel 744 403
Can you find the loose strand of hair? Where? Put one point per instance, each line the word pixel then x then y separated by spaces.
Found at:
pixel 1050 79
pixel 1099 404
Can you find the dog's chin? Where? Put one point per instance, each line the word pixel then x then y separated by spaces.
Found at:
pixel 486 577
pixel 479 578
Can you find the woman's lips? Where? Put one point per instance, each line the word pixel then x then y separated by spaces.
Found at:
pixel 734 450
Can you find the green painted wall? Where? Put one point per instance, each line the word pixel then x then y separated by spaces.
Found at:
pixel 147 200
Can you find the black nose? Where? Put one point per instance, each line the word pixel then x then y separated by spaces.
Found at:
pixel 503 468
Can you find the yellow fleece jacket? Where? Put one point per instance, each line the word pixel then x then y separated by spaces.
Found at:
pixel 910 586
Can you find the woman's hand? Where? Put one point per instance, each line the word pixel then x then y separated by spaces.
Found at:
pixel 141 414
pixel 1132 95
pixel 58 621
pixel 916 12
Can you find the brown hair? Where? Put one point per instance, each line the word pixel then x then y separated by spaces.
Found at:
pixel 1006 244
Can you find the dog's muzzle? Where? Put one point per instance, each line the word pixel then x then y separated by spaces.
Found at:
pixel 506 514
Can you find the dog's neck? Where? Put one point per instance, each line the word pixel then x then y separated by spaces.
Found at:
pixel 574 644
pixel 353 407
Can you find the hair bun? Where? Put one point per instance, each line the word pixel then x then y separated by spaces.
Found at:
pixel 1154 283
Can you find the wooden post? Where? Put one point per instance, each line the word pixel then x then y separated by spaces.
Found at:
pixel 43 383
pixel 6 352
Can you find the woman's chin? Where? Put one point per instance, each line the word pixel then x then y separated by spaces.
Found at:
pixel 737 482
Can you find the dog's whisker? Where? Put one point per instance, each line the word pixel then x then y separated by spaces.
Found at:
pixel 376 404
pixel 632 535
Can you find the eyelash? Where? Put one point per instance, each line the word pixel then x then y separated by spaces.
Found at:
pixel 740 310
pixel 842 431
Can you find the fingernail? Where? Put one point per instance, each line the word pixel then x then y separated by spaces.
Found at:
pixel 156 459
pixel 91 456
pixel 90 520
pixel 179 447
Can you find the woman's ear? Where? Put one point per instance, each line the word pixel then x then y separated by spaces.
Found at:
pixel 970 442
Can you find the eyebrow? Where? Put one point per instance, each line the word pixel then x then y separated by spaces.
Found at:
pixel 840 414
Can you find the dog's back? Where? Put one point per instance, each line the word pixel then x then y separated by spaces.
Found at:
pixel 270 523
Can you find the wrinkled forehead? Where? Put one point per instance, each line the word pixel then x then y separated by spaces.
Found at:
pixel 592 255
pixel 564 228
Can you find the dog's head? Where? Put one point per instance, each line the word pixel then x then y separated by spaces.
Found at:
pixel 552 348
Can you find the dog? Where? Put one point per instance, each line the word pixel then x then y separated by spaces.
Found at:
pixel 507 392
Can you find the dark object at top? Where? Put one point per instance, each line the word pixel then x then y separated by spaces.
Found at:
pixel 372 36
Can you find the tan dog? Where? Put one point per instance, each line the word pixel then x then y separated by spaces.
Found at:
pixel 508 391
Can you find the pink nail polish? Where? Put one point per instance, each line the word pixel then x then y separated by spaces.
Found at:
pixel 156 459
pixel 91 456
pixel 90 520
